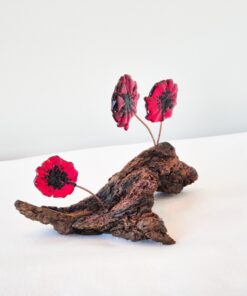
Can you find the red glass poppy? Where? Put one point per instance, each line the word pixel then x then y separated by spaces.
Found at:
pixel 161 100
pixel 124 101
pixel 56 177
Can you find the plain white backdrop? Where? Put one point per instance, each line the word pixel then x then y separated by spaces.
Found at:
pixel 60 61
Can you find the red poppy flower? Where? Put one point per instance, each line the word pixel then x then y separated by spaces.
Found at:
pixel 56 177
pixel 161 100
pixel 124 101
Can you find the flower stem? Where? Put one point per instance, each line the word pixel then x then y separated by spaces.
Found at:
pixel 90 192
pixel 146 126
pixel 159 132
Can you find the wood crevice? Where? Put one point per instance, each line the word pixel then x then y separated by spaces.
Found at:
pixel 128 198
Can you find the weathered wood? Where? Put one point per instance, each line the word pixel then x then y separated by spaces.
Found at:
pixel 128 198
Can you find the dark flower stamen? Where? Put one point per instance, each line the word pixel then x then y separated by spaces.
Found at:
pixel 57 178
pixel 161 100
pixel 129 106
pixel 165 101
pixel 124 101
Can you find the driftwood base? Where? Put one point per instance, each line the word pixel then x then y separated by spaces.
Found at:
pixel 128 198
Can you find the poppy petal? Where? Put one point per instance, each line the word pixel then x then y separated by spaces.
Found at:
pixel 161 100
pixel 53 177
pixel 124 101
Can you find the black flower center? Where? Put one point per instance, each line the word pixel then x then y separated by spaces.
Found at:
pixel 165 101
pixel 128 106
pixel 128 103
pixel 57 178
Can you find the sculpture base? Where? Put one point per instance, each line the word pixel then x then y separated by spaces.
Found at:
pixel 128 199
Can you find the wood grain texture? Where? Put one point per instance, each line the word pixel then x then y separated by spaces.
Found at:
pixel 128 199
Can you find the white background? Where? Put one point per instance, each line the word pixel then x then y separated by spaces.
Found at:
pixel 207 219
pixel 60 60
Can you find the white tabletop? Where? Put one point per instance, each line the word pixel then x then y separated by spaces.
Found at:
pixel 208 220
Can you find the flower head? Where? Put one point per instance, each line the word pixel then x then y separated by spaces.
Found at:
pixel 56 177
pixel 161 100
pixel 124 101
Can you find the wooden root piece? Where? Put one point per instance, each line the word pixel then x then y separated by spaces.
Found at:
pixel 128 198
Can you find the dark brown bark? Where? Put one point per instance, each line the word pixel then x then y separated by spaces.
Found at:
pixel 128 198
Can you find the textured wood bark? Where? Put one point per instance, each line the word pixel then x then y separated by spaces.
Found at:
pixel 128 198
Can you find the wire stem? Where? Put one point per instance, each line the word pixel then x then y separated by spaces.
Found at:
pixel 158 140
pixel 90 192
pixel 146 126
